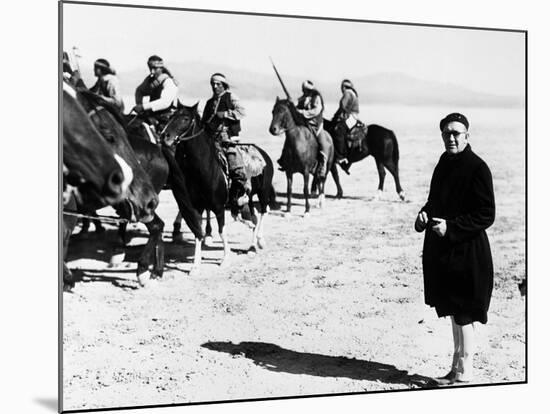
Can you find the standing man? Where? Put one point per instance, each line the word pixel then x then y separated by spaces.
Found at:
pixel 107 84
pixel 222 120
pixel 311 106
pixel 162 90
pixel 456 259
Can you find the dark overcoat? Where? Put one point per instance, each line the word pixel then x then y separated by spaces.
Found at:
pixel 458 267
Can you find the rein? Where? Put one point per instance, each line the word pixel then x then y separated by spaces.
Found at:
pixel 103 219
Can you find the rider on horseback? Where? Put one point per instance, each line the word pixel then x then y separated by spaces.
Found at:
pixel 348 113
pixel 107 84
pixel 311 106
pixel 162 90
pixel 222 120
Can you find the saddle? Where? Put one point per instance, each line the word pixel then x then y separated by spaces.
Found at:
pixel 252 160
pixel 355 136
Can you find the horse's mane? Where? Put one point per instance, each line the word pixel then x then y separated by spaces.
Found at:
pixel 299 120
pixel 97 100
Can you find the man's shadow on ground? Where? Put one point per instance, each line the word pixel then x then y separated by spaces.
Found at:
pixel 275 358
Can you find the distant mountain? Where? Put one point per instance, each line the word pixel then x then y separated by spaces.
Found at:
pixel 378 88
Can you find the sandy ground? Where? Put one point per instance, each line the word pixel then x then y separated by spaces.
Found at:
pixel 333 304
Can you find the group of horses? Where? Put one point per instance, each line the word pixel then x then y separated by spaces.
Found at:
pixel 107 161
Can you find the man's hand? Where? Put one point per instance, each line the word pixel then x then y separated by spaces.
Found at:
pixel 440 226
pixel 220 114
pixel 421 221
pixel 138 109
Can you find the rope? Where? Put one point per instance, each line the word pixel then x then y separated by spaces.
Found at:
pixel 103 219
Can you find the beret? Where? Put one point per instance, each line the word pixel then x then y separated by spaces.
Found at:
pixel 454 117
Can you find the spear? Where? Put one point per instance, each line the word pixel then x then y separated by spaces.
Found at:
pixel 280 80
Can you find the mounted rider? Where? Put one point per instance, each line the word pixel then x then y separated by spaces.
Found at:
pixel 162 90
pixel 347 113
pixel 311 106
pixel 222 121
pixel 107 84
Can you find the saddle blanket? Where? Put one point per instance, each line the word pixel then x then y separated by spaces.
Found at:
pixel 253 161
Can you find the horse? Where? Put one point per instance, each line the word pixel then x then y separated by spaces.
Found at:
pixel 196 154
pixel 92 172
pixel 373 140
pixel 261 185
pixel 155 166
pixel 89 165
pixel 300 151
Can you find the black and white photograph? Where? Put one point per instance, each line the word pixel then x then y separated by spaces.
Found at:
pixel 261 206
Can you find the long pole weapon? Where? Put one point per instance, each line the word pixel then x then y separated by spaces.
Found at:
pixel 280 80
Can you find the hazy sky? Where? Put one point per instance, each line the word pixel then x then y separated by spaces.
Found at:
pixel 484 61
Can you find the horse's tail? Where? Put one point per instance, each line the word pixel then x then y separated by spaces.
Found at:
pixel 395 153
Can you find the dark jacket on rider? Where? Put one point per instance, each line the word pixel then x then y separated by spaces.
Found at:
pixel 228 103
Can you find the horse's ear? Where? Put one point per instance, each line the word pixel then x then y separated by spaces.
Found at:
pixel 278 99
pixel 196 105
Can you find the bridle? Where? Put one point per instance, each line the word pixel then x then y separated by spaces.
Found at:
pixel 183 135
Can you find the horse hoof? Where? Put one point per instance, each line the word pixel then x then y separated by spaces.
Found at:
pixel 378 195
pixel 68 287
pixel 177 238
pixel 339 195
pixel 208 241
pixel 144 278
pixel 117 259
pixel 402 196
pixel 252 250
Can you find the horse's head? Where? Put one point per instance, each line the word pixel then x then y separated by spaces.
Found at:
pixel 89 164
pixel 282 116
pixel 182 123
pixel 111 124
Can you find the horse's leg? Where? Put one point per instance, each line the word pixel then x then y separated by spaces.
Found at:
pixel 151 261
pixel 197 259
pixel 68 226
pixel 208 236
pixel 322 193
pixel 394 170
pixel 381 176
pixel 220 217
pixel 306 193
pixel 177 235
pixel 254 244
pixel 288 192
pixel 118 254
pixel 336 177
pixel 314 186
pixel 260 233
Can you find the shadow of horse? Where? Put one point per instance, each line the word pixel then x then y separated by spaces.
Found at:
pixel 274 358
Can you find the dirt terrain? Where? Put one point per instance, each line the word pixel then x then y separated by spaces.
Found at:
pixel 333 304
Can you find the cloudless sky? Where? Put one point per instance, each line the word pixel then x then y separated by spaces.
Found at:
pixel 484 61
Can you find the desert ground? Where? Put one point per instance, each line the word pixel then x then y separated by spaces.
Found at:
pixel 333 304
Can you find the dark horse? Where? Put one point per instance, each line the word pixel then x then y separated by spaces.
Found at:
pixel 262 186
pixel 155 166
pixel 196 155
pixel 89 164
pixel 91 170
pixel 373 140
pixel 300 151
